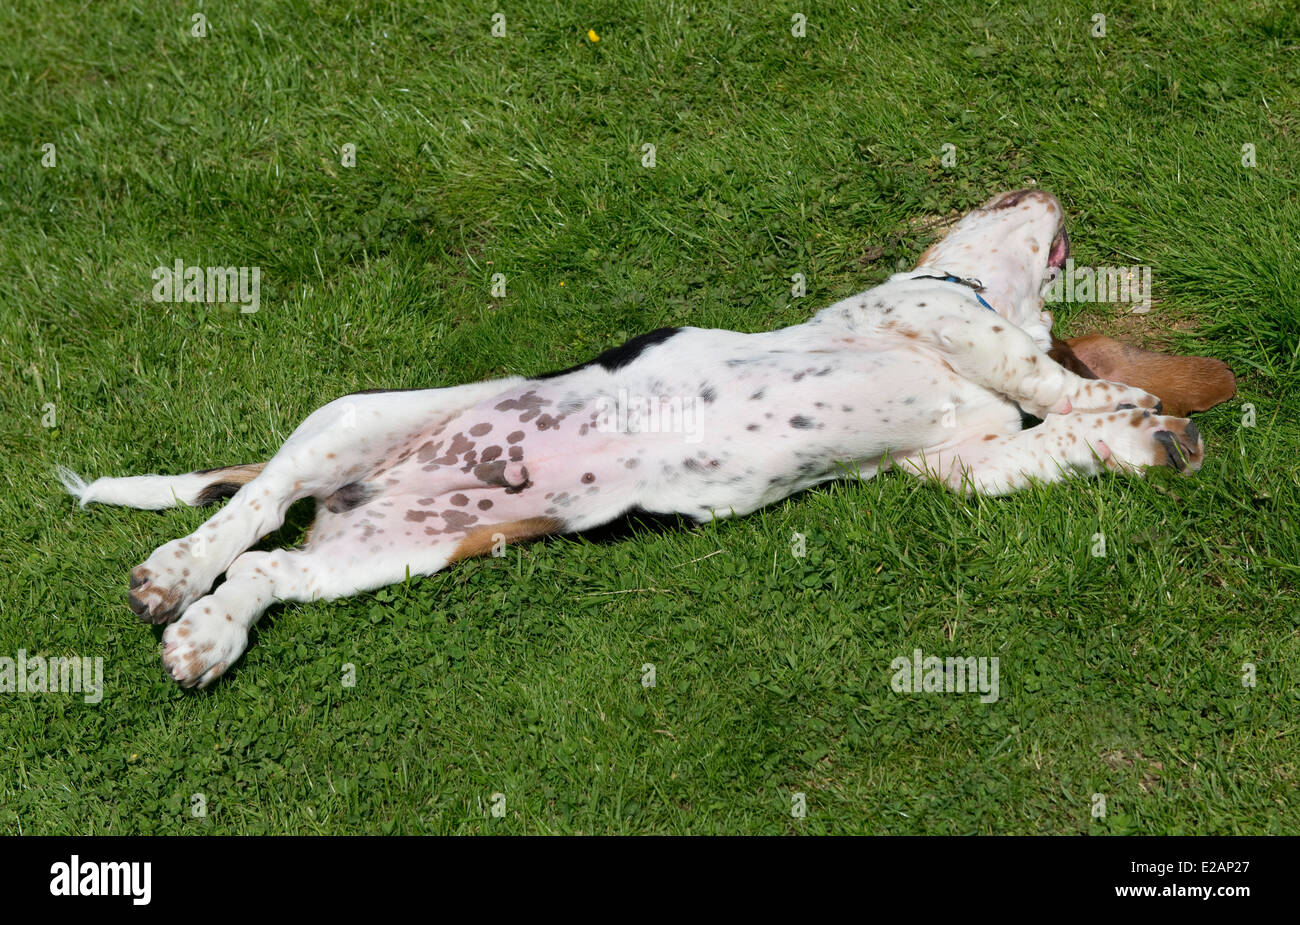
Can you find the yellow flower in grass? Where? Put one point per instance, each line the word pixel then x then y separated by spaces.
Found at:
pixel 591 34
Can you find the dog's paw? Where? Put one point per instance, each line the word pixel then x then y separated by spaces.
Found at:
pixel 152 598
pixel 1046 394
pixel 1131 441
pixel 199 647
pixel 167 582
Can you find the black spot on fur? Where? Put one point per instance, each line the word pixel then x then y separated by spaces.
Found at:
pixel 217 491
pixel 1028 420
pixel 617 357
pixel 346 498
pixel 799 422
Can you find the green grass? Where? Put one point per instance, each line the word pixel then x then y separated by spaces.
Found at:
pixel 522 155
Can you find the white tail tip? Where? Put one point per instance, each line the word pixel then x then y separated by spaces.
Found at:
pixel 74 484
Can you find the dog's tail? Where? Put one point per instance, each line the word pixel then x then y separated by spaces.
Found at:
pixel 155 492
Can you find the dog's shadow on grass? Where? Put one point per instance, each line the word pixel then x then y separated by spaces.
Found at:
pixel 636 524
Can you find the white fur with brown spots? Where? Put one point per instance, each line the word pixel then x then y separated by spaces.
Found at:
pixel 914 373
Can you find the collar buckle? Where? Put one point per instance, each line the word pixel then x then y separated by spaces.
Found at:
pixel 975 286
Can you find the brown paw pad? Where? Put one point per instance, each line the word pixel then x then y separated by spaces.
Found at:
pixel 153 603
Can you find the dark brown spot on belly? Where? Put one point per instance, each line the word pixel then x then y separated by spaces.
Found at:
pixel 492 473
pixel 458 520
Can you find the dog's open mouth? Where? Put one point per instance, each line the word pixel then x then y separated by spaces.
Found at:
pixel 1059 251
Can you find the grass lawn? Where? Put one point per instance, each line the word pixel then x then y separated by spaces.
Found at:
pixel 522 155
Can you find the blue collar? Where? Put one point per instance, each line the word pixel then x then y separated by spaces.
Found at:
pixel 974 285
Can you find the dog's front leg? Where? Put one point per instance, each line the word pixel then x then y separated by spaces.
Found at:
pixel 1061 447
pixel 990 351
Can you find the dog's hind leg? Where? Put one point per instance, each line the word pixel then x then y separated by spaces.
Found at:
pixel 213 632
pixel 329 454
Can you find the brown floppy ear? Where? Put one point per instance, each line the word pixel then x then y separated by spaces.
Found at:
pixel 1183 384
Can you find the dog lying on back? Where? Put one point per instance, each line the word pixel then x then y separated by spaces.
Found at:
pixel 932 373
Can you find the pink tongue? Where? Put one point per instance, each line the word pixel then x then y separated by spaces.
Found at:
pixel 1060 250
